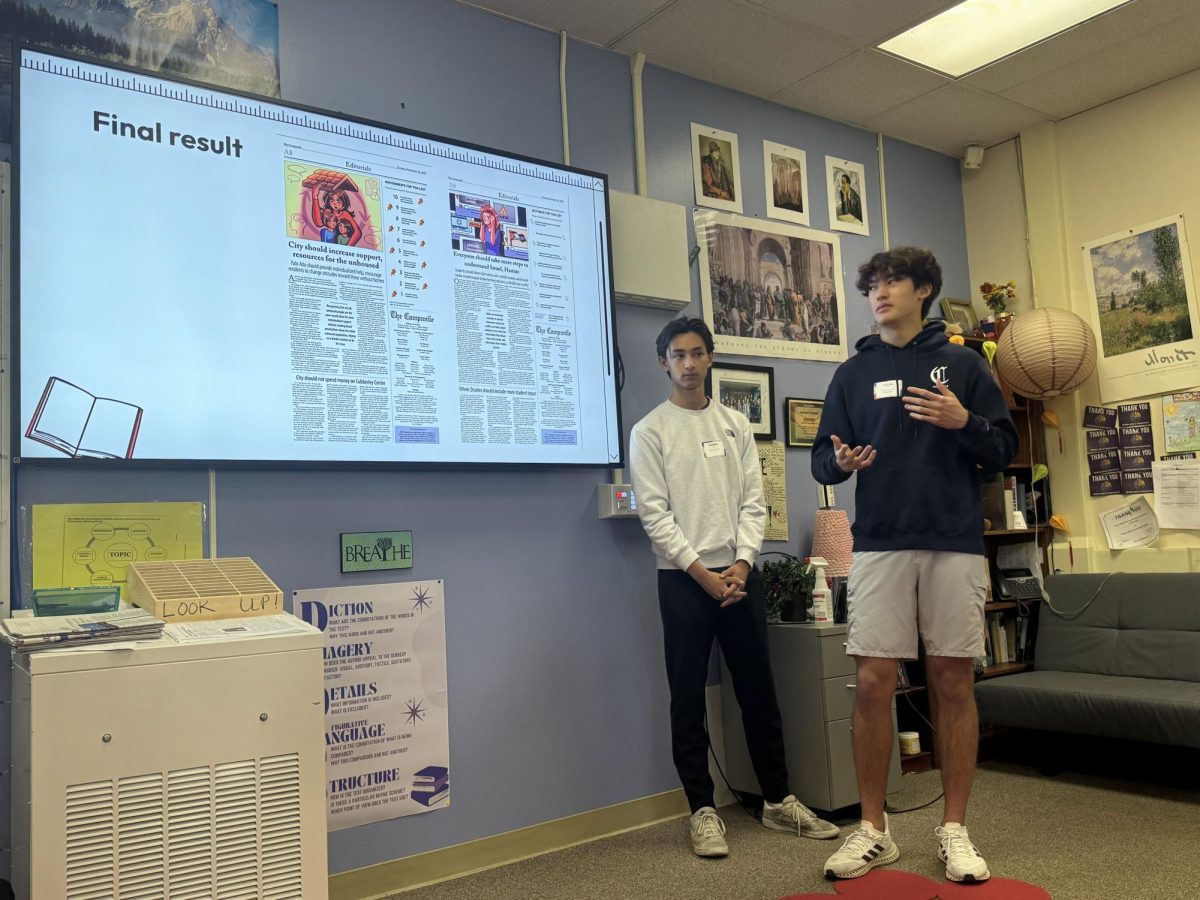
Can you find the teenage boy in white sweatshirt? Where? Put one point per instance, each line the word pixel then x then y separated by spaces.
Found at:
pixel 698 483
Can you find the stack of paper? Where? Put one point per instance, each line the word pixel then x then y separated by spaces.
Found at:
pixel 45 632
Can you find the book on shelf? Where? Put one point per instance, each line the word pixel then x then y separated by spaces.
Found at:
pixel 993 503
pixel 1010 503
pixel 1022 638
pixel 78 423
pixel 999 643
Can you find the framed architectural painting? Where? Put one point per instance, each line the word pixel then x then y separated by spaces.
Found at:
pixel 846 183
pixel 748 389
pixel 1143 310
pixel 770 289
pixel 786 176
pixel 715 168
pixel 802 417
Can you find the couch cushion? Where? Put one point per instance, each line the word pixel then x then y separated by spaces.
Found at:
pixel 1143 625
pixel 1144 709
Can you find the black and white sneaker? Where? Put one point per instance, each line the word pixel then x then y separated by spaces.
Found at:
pixel 963 862
pixel 865 849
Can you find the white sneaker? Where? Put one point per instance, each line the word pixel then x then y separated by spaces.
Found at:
pixel 708 833
pixel 865 849
pixel 790 814
pixel 963 861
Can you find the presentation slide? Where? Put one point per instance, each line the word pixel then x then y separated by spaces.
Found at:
pixel 205 276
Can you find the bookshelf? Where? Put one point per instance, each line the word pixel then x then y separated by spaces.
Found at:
pixel 1031 451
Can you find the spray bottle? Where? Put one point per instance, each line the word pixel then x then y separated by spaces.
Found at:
pixel 822 605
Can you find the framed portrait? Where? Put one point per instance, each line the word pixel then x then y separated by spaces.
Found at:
pixel 1143 310
pixel 786 174
pixel 960 312
pixel 802 417
pixel 748 389
pixel 770 289
pixel 715 168
pixel 846 183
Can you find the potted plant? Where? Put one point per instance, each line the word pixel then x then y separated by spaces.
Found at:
pixel 788 586
pixel 997 296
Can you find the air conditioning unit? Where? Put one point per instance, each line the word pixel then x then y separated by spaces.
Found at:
pixel 173 770
pixel 650 252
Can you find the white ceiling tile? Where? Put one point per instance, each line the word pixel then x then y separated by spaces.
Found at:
pixel 1080 43
pixel 952 116
pixel 866 22
pixel 735 44
pixel 1121 69
pixel 598 22
pixel 817 55
pixel 860 86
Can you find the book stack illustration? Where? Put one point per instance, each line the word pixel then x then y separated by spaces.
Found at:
pixel 431 785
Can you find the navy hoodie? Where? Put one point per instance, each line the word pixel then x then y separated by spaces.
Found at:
pixel 923 490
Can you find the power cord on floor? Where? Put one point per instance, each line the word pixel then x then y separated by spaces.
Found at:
pixel 751 803
pixel 891 810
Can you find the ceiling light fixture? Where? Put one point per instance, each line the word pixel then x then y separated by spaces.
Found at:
pixel 975 33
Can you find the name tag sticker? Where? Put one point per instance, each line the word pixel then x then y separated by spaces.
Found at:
pixel 713 448
pixel 887 389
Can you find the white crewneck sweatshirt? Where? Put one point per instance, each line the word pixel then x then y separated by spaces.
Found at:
pixel 698 485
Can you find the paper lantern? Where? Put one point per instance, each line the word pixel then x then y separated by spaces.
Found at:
pixel 1046 353
pixel 832 540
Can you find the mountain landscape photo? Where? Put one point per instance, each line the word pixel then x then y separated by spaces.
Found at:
pixel 228 43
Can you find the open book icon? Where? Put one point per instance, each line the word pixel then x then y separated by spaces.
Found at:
pixel 79 423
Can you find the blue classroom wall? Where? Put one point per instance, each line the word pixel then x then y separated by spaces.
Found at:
pixel 558 702
pixel 925 207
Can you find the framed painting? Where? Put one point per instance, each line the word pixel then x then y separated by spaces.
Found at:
pixel 786 174
pixel 846 183
pixel 715 168
pixel 771 289
pixel 748 389
pixel 803 418
pixel 960 312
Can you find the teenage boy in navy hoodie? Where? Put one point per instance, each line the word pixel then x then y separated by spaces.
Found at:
pixel 920 420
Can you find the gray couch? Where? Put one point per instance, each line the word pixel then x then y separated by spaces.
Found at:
pixel 1128 667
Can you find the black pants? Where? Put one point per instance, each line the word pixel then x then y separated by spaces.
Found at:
pixel 691 619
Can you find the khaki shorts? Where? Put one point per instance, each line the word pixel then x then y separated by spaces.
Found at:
pixel 894 594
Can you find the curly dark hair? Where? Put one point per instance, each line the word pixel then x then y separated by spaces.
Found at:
pixel 916 263
pixel 683 325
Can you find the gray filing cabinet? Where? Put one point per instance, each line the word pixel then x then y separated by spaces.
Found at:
pixel 814 681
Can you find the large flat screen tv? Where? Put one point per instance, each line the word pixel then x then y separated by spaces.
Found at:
pixel 209 276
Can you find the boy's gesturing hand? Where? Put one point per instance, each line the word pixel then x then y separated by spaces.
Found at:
pixel 851 460
pixel 941 409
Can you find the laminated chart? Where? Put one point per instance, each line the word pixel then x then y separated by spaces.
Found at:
pixel 92 544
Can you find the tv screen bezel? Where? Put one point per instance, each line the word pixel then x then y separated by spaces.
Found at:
pixel 17 430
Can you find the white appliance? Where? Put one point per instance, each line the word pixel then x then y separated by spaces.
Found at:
pixel 649 252
pixel 171 771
